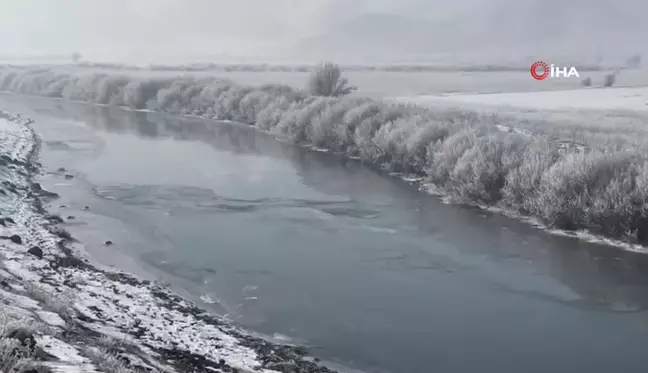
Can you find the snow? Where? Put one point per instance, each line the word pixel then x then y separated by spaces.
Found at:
pixel 15 139
pixel 19 269
pixel 72 368
pixel 63 351
pixel 18 301
pixel 635 98
pixel 50 318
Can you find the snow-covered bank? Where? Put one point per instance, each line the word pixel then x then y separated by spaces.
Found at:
pixel 74 316
pixel 635 98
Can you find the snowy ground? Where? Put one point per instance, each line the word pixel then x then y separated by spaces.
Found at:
pixel 87 319
pixel 591 99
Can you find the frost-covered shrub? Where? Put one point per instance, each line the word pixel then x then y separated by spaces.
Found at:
pixel 523 179
pixel 566 188
pixel 6 79
pixel 603 192
pixel 619 206
pixel 446 155
pixel 327 80
pixel 320 130
pixel 138 93
pixel 403 144
pixel 269 116
pixel 480 173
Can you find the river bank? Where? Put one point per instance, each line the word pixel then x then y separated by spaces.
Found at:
pixel 71 313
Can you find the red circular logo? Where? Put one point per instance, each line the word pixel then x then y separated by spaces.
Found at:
pixel 539 70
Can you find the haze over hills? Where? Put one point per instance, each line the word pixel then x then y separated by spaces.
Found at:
pixel 496 30
pixel 347 31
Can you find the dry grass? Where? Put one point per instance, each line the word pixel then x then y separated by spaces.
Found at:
pixel 14 356
pixel 105 360
pixel 51 300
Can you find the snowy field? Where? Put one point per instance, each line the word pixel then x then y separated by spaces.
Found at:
pixel 634 98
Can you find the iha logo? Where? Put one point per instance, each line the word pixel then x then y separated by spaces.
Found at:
pixel 540 70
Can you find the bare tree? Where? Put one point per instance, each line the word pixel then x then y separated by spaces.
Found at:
pixel 327 80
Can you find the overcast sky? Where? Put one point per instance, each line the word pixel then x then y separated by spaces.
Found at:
pixel 119 27
pixel 121 30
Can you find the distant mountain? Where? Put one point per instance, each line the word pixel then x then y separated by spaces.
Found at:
pixel 382 34
pixel 508 28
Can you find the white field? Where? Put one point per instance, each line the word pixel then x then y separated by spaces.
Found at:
pixel 632 99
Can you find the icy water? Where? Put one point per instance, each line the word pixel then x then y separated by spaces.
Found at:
pixel 302 246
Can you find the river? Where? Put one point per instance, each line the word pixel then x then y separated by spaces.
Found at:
pixel 301 246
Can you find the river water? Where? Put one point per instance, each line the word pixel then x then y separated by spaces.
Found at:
pixel 304 247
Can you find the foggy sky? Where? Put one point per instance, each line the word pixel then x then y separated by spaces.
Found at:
pixel 107 28
pixel 122 30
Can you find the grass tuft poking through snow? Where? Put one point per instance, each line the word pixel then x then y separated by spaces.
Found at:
pixel 61 303
pixel 105 360
pixel 16 353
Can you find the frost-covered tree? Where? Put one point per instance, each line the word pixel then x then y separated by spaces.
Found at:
pixel 634 61
pixel 76 57
pixel 610 79
pixel 327 80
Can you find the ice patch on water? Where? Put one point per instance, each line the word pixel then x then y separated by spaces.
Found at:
pixel 316 148
pixel 207 299
pixel 281 337
pixel 381 229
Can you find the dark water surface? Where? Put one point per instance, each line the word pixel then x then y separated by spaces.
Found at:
pixel 364 268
